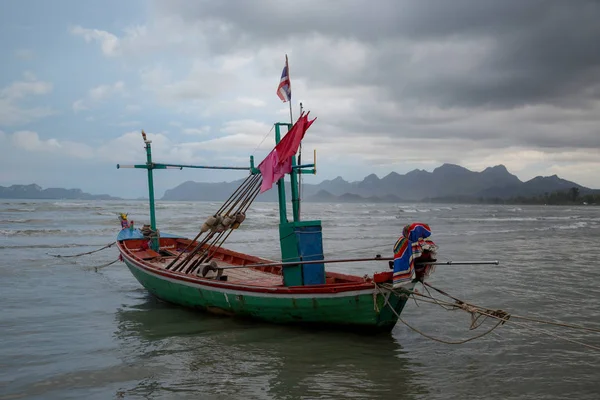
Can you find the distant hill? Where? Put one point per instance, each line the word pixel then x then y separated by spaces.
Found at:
pixel 448 182
pixel 204 191
pixel 534 187
pixel 34 191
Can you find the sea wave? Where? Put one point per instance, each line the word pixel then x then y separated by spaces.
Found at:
pixel 22 221
pixel 51 246
pixel 56 232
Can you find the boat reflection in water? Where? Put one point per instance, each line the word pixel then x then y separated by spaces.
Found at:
pixel 196 353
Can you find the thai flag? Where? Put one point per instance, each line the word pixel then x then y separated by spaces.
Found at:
pixel 284 91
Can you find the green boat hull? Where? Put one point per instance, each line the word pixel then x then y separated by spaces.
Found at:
pixel 364 310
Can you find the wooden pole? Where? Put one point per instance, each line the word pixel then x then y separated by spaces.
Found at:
pixel 287 66
pixel 275 264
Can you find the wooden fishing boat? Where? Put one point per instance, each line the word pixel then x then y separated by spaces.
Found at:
pixel 202 274
pixel 259 292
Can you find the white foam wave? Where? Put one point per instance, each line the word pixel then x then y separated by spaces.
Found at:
pixel 57 232
pixel 70 204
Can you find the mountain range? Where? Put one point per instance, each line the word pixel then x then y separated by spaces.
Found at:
pixel 34 191
pixel 447 182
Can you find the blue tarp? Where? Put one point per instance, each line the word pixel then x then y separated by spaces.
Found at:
pixel 127 234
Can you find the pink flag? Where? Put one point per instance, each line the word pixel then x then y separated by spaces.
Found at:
pixel 279 161
pixel 272 170
pixel 288 146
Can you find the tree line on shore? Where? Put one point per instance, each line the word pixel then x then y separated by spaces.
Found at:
pixel 571 196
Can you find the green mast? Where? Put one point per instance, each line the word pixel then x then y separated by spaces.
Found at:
pixel 281 182
pixel 298 240
pixel 150 166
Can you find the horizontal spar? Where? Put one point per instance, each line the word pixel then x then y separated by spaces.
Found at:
pixel 178 166
pixel 283 264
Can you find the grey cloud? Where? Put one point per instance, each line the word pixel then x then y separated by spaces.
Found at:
pixel 495 73
pixel 537 51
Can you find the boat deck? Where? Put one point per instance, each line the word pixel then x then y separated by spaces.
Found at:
pixel 268 276
pixel 248 276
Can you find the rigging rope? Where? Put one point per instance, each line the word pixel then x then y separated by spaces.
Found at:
pixel 263 139
pixel 525 318
pixel 83 254
pixel 104 265
pixel 477 312
pixel 218 227
pixel 387 303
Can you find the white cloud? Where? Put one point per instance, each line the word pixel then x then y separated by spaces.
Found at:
pixel 31 141
pixel 163 149
pixel 79 105
pixel 24 54
pixel 203 82
pixel 109 43
pixel 103 92
pixel 158 34
pixel 131 108
pixel 21 89
pixel 128 123
pixel 98 94
pixel 240 135
pixel 250 101
pixel 124 149
pixel 11 112
pixel 197 131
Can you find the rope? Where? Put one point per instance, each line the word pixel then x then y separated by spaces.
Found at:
pixel 148 232
pixel 542 331
pixel 104 265
pixel 245 205
pixel 448 341
pixel 217 231
pixel 263 139
pixel 83 254
pixel 530 319
pixel 501 316
pixel 429 336
pixel 562 324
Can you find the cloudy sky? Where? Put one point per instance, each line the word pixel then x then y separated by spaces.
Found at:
pixel 396 85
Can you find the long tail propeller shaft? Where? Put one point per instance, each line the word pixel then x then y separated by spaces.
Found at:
pixel 378 258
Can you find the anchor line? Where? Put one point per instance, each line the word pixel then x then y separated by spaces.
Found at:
pixel 525 318
pixel 83 254
pixel 478 311
pixel 105 265
pixel 387 303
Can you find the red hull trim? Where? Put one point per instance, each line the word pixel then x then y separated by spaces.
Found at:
pixel 313 289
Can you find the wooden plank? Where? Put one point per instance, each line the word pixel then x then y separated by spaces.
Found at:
pixel 246 276
pixel 147 254
pixel 254 277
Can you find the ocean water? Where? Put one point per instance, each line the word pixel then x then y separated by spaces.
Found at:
pixel 70 331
